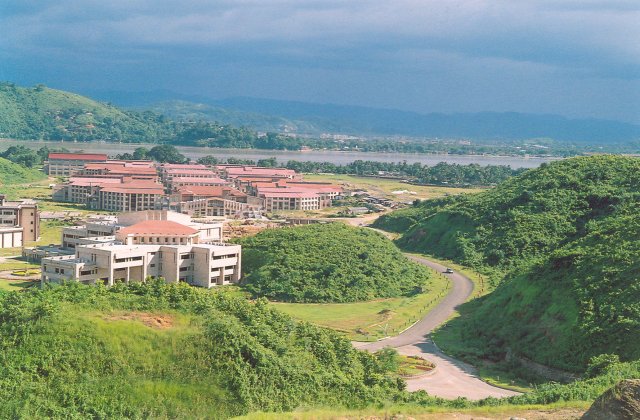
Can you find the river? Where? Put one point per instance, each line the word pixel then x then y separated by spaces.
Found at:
pixel 283 156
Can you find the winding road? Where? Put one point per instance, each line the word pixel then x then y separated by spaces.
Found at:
pixel 451 378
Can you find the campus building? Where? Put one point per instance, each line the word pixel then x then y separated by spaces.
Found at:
pixel 67 164
pixel 146 244
pixel 19 222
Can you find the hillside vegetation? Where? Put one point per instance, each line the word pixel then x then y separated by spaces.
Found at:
pixel 43 113
pixel 328 263
pixel 152 350
pixel 171 351
pixel 565 239
pixel 13 173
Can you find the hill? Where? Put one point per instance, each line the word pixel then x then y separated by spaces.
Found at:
pixel 44 113
pixel 13 173
pixel 564 239
pixel 171 351
pixel 327 263
pixel 480 126
pixel 313 118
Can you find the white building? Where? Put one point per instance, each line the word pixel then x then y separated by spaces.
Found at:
pixel 146 244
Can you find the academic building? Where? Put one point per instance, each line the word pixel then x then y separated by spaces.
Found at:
pixel 146 244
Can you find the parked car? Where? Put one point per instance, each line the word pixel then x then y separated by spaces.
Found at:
pixel 448 271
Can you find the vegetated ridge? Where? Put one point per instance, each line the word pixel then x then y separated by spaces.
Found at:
pixel 41 113
pixel 564 239
pixel 327 263
pixel 171 351
pixel 13 173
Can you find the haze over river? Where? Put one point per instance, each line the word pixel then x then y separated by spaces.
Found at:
pixel 283 156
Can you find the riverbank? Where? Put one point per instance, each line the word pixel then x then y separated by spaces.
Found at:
pixel 282 156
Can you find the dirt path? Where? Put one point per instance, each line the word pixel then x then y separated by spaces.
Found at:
pixel 451 378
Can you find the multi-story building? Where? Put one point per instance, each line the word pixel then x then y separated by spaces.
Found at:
pixel 157 245
pixel 132 169
pixel 67 164
pixel 19 222
pixel 131 196
pixel 206 201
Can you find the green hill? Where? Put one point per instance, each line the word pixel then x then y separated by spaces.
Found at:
pixel 12 173
pixel 327 263
pixel 565 240
pixel 44 113
pixel 171 351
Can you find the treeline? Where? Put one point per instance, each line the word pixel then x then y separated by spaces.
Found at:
pixel 441 174
pixel 28 157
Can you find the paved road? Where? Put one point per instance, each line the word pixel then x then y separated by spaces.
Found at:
pixel 451 378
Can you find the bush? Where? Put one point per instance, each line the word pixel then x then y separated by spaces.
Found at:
pixel 327 263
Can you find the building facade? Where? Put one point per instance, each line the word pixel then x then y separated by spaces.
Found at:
pixel 139 245
pixel 67 164
pixel 19 222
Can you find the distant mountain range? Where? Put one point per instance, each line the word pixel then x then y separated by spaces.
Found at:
pixel 313 119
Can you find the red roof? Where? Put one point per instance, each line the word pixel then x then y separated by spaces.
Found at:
pixel 196 166
pixel 288 194
pixel 188 179
pixel 78 156
pixel 191 172
pixel 158 227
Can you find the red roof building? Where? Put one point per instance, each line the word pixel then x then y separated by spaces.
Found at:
pixel 66 164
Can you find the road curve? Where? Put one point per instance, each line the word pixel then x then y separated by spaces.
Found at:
pixel 452 378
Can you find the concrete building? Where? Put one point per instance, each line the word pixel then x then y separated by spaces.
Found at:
pixel 105 229
pixel 131 196
pixel 19 222
pixel 152 244
pixel 207 201
pixel 67 164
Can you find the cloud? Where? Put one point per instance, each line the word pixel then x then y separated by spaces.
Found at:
pixel 575 41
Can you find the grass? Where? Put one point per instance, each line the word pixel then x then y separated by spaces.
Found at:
pixel 14 264
pixel 13 285
pixel 556 410
pixel 50 233
pixel 384 187
pixel 41 192
pixel 372 320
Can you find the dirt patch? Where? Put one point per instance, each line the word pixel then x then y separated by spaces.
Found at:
pixel 150 320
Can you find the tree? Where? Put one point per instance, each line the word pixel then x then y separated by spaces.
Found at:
pixel 208 160
pixel 166 153
pixel 141 153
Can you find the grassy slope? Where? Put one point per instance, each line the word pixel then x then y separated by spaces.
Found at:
pixel 153 350
pixel 12 174
pixel 368 321
pixel 566 238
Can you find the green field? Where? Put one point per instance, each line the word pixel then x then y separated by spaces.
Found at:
pixel 369 321
pixel 384 187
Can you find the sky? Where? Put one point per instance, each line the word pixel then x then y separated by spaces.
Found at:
pixel 578 58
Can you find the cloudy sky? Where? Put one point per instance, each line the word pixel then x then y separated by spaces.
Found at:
pixel 579 58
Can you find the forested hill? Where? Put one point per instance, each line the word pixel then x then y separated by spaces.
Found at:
pixel 566 238
pixel 44 113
